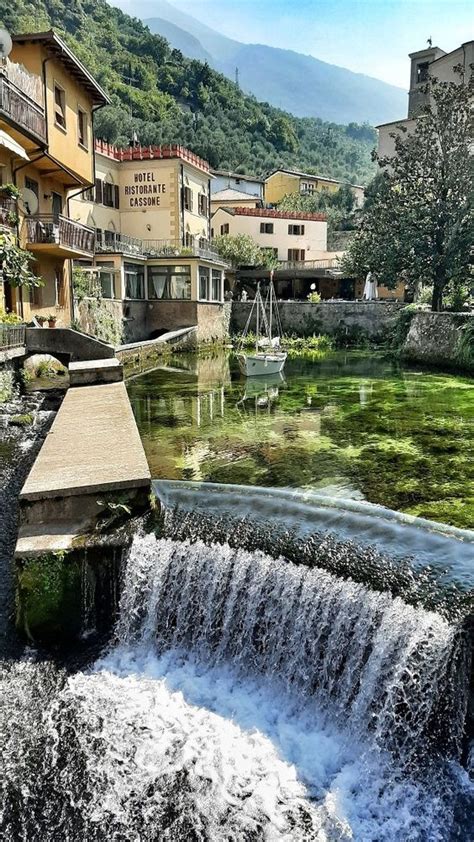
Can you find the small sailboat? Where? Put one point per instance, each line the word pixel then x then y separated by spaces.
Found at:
pixel 267 358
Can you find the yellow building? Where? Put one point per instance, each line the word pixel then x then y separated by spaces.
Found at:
pixel 47 100
pixel 150 209
pixel 282 182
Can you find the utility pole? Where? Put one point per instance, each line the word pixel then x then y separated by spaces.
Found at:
pixel 130 80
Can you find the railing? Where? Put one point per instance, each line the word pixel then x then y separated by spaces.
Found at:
pixel 61 231
pixel 8 215
pixel 332 263
pixel 11 336
pixel 175 248
pixel 20 109
pixel 113 243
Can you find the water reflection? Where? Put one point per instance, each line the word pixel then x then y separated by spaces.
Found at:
pixel 350 424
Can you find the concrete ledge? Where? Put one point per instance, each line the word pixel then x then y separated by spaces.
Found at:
pixel 93 372
pixel 66 344
pixel 93 446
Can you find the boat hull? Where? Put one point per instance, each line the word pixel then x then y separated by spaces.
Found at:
pixel 255 365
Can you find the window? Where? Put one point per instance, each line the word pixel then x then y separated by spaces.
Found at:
pixel 98 191
pixel 32 185
pixel 204 275
pixel 187 198
pixel 296 229
pixel 169 282
pixel 422 72
pixel 88 194
pixel 106 277
pixel 266 227
pixel 203 205
pixel 134 280
pixel 216 285
pixel 60 288
pixel 82 128
pixel 189 240
pixel 108 194
pixel 296 254
pixel 225 228
pixel 59 106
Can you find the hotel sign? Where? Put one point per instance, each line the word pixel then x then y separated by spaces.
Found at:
pixel 144 192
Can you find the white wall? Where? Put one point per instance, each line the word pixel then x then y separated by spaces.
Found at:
pixel 313 241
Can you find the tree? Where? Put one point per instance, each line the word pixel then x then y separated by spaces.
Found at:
pixel 418 221
pixel 242 250
pixel 15 263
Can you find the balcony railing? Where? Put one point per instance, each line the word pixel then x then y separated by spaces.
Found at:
pixel 11 336
pixel 332 263
pixel 175 248
pixel 21 110
pixel 59 230
pixel 113 243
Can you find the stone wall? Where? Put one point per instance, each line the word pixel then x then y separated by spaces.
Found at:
pixel 134 321
pixel 441 339
pixel 302 318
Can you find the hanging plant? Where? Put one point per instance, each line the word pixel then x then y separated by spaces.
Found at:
pixel 10 190
pixel 15 263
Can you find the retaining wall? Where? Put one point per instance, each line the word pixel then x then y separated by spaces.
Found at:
pixel 303 318
pixel 439 339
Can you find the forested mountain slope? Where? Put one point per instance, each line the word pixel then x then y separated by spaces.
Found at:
pixel 164 97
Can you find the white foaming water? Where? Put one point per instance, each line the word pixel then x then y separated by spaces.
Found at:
pixel 244 699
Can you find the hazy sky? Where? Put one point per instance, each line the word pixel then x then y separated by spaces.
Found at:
pixel 368 36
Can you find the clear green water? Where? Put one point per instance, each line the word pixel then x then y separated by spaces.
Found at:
pixel 357 425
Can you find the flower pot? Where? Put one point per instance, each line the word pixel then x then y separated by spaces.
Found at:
pixel 51 322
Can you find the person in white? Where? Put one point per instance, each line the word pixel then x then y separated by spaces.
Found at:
pixel 370 288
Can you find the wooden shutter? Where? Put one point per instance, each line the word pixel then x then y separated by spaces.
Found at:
pixel 116 196
pixel 98 191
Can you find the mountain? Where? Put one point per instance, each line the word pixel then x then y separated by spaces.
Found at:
pixel 163 97
pixel 301 84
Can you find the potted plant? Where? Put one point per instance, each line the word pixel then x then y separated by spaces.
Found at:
pixel 41 320
pixel 52 319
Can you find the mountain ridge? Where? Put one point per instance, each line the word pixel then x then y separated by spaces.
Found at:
pixel 296 82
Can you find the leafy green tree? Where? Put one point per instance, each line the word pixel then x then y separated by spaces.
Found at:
pixel 242 250
pixel 418 220
pixel 15 263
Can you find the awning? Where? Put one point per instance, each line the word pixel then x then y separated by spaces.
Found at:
pixel 12 145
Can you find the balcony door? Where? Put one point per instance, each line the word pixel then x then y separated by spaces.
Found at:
pixel 57 200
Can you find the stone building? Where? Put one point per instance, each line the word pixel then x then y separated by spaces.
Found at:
pixel 423 64
pixel 150 209
pixel 47 100
pixel 289 235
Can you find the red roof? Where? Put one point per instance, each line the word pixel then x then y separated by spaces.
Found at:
pixel 276 214
pixel 149 153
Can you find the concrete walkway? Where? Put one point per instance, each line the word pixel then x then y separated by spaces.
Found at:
pixel 93 446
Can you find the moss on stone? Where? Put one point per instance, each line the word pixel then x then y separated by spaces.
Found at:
pixel 48 597
pixel 21 420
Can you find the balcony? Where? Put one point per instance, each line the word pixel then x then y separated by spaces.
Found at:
pixel 109 242
pixel 174 248
pixel 310 265
pixel 19 110
pixel 58 236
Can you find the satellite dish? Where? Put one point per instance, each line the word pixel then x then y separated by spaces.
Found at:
pixel 30 201
pixel 6 43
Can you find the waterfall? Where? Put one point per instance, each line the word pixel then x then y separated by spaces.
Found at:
pixel 365 658
pixel 243 697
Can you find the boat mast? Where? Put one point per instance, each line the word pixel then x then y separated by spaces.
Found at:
pixel 271 310
pixel 258 317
